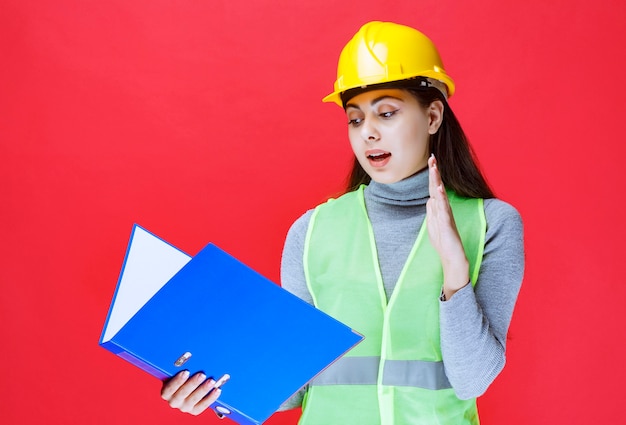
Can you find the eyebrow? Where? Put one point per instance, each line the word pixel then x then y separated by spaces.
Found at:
pixel 375 101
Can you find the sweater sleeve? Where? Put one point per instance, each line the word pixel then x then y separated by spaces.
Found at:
pixel 293 280
pixel 474 322
pixel 291 268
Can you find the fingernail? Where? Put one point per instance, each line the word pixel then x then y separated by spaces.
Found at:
pixel 222 380
pixel 184 374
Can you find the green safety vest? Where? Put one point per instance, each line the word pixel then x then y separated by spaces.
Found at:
pixel 396 375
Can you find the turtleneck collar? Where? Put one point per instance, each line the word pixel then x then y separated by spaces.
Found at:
pixel 411 191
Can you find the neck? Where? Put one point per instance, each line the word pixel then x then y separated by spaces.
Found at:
pixel 412 190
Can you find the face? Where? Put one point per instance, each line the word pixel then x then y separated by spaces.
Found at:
pixel 389 132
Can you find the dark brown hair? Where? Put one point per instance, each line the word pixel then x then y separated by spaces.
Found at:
pixel 455 158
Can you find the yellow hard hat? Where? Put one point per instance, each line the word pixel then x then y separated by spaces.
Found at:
pixel 383 52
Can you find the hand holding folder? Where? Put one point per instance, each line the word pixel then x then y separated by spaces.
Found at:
pixel 168 315
pixel 193 394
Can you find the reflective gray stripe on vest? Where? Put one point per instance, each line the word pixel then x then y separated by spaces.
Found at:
pixel 350 371
pixel 402 373
pixel 415 373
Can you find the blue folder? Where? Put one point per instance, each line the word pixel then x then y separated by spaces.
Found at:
pixel 216 315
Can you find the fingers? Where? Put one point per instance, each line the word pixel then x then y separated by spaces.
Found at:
pixel 190 394
pixel 438 202
pixel 206 401
pixel 440 219
pixel 433 176
pixel 181 393
pixel 435 184
pixel 173 384
pixel 201 397
pixel 443 233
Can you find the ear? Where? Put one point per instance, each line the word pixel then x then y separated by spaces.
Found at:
pixel 435 116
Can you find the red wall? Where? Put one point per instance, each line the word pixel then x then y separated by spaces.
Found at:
pixel 202 121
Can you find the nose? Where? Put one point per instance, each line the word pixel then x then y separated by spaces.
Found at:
pixel 369 131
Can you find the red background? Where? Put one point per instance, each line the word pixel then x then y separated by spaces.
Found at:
pixel 202 121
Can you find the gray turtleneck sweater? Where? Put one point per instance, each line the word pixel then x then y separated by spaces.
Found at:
pixel 475 320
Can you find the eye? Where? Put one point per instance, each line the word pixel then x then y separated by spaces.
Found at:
pixel 355 122
pixel 388 114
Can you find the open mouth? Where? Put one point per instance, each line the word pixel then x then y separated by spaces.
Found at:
pixel 378 157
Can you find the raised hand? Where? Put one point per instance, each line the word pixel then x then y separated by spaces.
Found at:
pixel 444 235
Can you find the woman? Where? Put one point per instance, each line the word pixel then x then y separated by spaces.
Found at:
pixel 418 255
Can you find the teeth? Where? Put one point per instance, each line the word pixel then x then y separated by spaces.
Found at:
pixel 374 155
